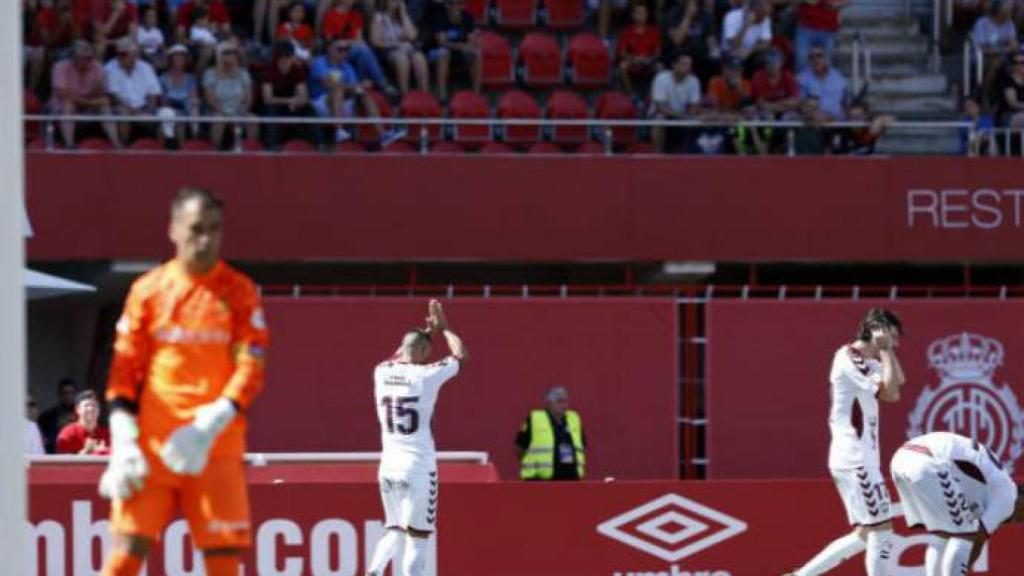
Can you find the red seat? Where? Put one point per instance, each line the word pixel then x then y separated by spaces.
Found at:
pixel 591 147
pixel 420 104
pixel 589 60
pixel 617 106
pixel 519 104
pixel 368 133
pixel 477 9
pixel 564 14
pixel 445 147
pixel 641 148
pixel 516 14
pixel 497 148
pixel 297 146
pixel 496 61
pixel 97 144
pixel 36 144
pixel 541 59
pixel 200 145
pixel 400 147
pixel 545 148
pixel 252 146
pixel 147 144
pixel 567 105
pixel 348 147
pixel 469 104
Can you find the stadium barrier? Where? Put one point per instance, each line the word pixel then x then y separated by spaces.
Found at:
pixel 304 525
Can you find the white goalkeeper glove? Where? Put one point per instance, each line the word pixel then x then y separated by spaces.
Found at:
pixel 127 469
pixel 187 449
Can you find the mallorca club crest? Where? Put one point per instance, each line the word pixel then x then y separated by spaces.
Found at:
pixel 966 400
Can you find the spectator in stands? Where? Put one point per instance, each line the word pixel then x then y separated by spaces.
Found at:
pixel 729 93
pixel 285 94
pixel 825 83
pixel 817 23
pixel 675 95
pixel 774 88
pixel 79 87
pixel 54 419
pixel 200 25
pixel 809 139
pixel 296 31
pixel 691 29
pixel 58 28
pixel 996 35
pixel 150 39
pixel 34 39
pixel 747 31
pixel 393 34
pixel 551 443
pixel 85 435
pixel 180 92
pixel 605 10
pixel 115 19
pixel 342 22
pixel 860 141
pixel 638 48
pixel 133 86
pixel 455 47
pixel 1010 94
pixel 33 438
pixel 979 139
pixel 227 91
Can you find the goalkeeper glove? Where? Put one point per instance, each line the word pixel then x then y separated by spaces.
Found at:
pixel 127 469
pixel 188 447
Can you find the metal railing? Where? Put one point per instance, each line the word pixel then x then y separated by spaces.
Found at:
pixel 942 16
pixel 972 54
pixel 860 76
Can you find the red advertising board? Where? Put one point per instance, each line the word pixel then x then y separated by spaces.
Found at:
pixel 768 390
pixel 712 528
pixel 286 207
pixel 616 357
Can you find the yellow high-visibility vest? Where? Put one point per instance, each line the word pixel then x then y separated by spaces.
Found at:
pixel 539 460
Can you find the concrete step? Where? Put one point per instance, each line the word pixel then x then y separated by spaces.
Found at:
pixel 915 84
pixel 873 22
pixel 924 141
pixel 889 50
pixel 883 30
pixel 914 106
pixel 883 70
pixel 874 11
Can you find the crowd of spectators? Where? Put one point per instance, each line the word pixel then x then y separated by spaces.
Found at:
pixel 725 61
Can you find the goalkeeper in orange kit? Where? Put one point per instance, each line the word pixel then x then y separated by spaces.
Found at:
pixel 188 361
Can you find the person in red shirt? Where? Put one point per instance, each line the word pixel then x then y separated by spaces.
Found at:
pixel 774 88
pixel 113 20
pixel 342 22
pixel 817 22
pixel 638 48
pixel 85 435
pixel 218 14
pixel 296 31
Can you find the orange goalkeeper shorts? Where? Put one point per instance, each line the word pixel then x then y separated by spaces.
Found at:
pixel 215 504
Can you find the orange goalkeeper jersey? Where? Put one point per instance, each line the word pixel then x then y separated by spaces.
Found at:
pixel 184 341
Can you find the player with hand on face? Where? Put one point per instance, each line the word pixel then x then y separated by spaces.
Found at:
pixel 957 490
pixel 188 361
pixel 405 390
pixel 863 373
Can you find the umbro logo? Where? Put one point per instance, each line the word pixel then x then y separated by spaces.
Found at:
pixel 672 527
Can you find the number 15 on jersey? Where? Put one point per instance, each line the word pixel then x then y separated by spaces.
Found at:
pixel 402 415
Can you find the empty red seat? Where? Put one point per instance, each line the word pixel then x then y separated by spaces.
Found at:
pixel 368 133
pixel 496 61
pixel 469 104
pixel 37 144
pixel 541 59
pixel 477 9
pixel 251 146
pixel 515 14
pixel 497 148
pixel 545 148
pixel 564 14
pixel 297 146
pixel 446 147
pixel 567 105
pixel 641 148
pixel 147 144
pixel 617 106
pixel 400 147
pixel 519 104
pixel 420 104
pixel 589 61
pixel 348 147
pixel 95 144
pixel 591 147
pixel 199 145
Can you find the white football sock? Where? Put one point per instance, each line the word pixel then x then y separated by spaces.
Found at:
pixel 954 559
pixel 879 553
pixel 415 560
pixel 387 547
pixel 833 555
pixel 933 557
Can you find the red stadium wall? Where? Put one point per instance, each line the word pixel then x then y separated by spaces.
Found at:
pixel 768 364
pixel 617 357
pixel 400 208
pixel 305 526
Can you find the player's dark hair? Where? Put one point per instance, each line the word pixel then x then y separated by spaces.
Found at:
pixel 85 395
pixel 209 200
pixel 877 319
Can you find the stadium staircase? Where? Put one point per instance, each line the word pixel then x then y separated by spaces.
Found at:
pixel 905 82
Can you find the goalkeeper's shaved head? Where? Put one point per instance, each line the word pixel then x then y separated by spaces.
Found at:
pixel 416 345
pixel 207 200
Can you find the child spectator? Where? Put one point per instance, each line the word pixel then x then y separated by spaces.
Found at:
pixel 978 140
pixel 296 31
pixel 150 39
pixel 638 48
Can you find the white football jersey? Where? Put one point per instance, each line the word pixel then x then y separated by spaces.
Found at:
pixel 990 492
pixel 405 395
pixel 853 419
